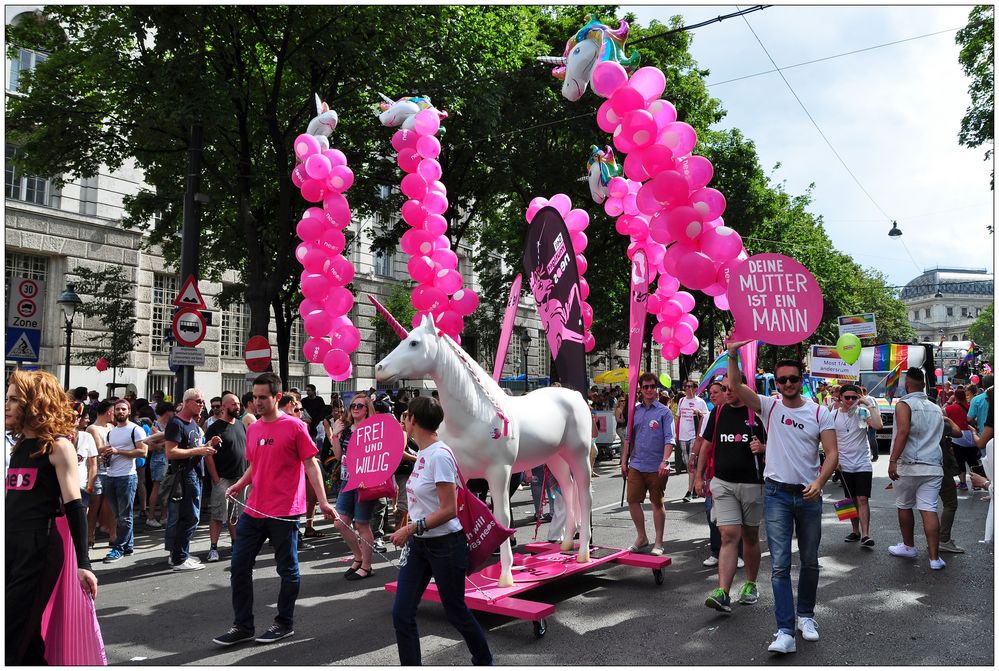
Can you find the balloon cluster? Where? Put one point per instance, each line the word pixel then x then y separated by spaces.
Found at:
pixel 322 176
pixel 663 202
pixel 576 221
pixel 432 264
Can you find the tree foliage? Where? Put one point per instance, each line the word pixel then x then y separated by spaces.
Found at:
pixel 977 58
pixel 109 296
pixel 982 333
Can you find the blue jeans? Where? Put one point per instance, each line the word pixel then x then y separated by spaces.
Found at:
pixel 537 482
pixel 251 532
pixel 120 491
pixel 444 559
pixel 182 518
pixel 787 513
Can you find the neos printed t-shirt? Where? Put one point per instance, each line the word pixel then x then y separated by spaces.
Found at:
pixel 854 450
pixel 276 451
pixel 687 408
pixel 435 463
pixel 85 449
pixel 734 459
pixel 793 439
pixel 124 438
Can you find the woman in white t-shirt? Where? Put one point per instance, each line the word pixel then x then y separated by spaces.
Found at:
pixel 433 543
pixel 86 453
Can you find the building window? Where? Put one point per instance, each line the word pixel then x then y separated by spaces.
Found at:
pixel 384 191
pixel 25 61
pixel 915 315
pixel 165 289
pixel 297 341
pixel 927 313
pixel 295 382
pixel 964 312
pixel 88 196
pixel 163 382
pixel 950 312
pixel 384 262
pixel 235 330
pixel 27 266
pixel 26 188
pixel 978 311
pixel 237 384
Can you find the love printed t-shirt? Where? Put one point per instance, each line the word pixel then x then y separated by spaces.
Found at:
pixel 793 439
pixel 276 451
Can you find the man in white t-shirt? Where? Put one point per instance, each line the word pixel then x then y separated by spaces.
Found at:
pixel 86 453
pixel 855 414
pixel 126 442
pixel 692 411
pixel 792 490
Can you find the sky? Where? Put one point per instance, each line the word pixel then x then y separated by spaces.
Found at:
pixel 893 114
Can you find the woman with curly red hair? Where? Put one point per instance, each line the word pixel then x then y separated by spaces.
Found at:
pixel 42 482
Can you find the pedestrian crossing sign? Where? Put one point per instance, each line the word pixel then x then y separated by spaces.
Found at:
pixel 22 344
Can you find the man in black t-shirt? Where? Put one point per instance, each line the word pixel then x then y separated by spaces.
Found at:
pixel 737 440
pixel 316 408
pixel 228 436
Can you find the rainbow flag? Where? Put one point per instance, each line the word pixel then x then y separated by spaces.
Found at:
pixel 892 358
pixel 747 359
pixel 846 509
pixel 970 356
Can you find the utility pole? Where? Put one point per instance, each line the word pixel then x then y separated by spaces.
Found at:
pixel 191 236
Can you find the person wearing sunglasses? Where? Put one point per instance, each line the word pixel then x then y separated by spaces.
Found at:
pixel 692 411
pixel 349 507
pixel 645 462
pixel 792 490
pixel 854 416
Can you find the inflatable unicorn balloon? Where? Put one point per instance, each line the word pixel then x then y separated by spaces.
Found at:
pixel 323 124
pixel 402 111
pixel 592 44
pixel 601 168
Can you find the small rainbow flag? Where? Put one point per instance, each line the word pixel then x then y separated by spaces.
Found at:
pixel 892 358
pixel 846 509
pixel 970 356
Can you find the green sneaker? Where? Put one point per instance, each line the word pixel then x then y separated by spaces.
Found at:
pixel 749 594
pixel 719 600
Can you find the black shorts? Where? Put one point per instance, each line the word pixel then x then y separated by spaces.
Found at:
pixel 857 484
pixel 967 456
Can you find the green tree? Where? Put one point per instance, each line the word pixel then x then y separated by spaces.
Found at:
pixel 110 298
pixel 977 58
pixel 982 333
pixel 398 304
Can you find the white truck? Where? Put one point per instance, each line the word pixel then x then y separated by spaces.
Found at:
pixel 873 379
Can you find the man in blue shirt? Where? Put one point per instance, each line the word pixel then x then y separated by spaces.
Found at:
pixel 645 462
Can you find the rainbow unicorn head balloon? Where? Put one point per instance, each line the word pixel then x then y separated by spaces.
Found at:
pixel 592 44
pixel 601 168
pixel 401 112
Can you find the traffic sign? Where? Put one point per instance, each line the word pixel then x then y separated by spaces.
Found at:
pixel 257 354
pixel 187 356
pixel 24 305
pixel 22 344
pixel 189 327
pixel 190 296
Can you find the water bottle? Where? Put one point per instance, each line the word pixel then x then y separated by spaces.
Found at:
pixel 862 414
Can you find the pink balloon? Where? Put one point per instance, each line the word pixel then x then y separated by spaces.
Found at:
pixel 308 306
pixel 416 242
pixel 317 324
pixel 662 333
pixel 332 242
pixel 315 350
pixel 646 200
pixel 672 258
pixel 640 128
pixel 336 362
pixel 418 318
pixel 346 338
pixel 618 187
pixel 626 99
pixel 340 271
pixel 445 258
pixel 656 158
pixel 340 178
pixel 429 169
pixel 337 207
pixel 652 304
pixel 613 207
pixel 975 379
pixel 428 297
pixel 695 270
pixel 697 170
pixel 313 190
pixel 709 202
pixel 581 264
pixel 584 289
pixel 316 260
pixel 682 333
pixel 668 286
pixel 404 139
pixel 448 281
pixel 315 286
pixel 435 225
pixel 714 289
pixel 680 137
pixel 685 300
pixel 577 220
pixel 336 157
pixel 450 322
pixel 421 269
pixel 671 311
pixel 413 212
pixel 683 223
pixel 587 312
pixel 607 119
pixel 663 112
pixel 465 301
pixel 690 347
pixel 721 301
pixel 938 372
pixel 623 142
pixel 589 342
pixel 343 321
pixel 426 122
pixel 435 203
pixel 638 228
pixel 306 145
pixel 409 160
pixel 630 203
pixel 670 187
pixel 339 302
pixel 442 242
pixel 670 351
pixel 655 253
pixel 413 186
pixel 579 241
pixel 429 147
pixel 721 244
pixel 649 81
pixel 309 228
pixel 317 166
pixel 633 166
pixel 345 375
pixel 298 176
pixel 438 187
pixel 607 77
pixel 562 203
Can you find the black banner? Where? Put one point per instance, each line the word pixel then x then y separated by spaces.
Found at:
pixel 550 265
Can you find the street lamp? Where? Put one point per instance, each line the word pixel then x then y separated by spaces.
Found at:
pixel 69 301
pixel 525 342
pixel 895 232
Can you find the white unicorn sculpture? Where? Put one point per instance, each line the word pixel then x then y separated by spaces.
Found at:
pixel 494 435
pixel 592 44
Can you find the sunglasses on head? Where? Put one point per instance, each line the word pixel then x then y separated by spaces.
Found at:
pixel 784 379
pixel 648 386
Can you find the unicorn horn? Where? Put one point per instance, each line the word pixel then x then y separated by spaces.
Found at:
pixel 551 60
pixel 383 311
pixel 319 104
pixel 386 99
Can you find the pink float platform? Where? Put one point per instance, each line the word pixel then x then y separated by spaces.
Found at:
pixel 545 564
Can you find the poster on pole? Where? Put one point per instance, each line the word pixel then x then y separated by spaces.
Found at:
pixel 862 326
pixel 775 299
pixel 826 362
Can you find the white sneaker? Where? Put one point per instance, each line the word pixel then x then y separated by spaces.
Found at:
pixel 783 643
pixel 154 524
pixel 806 625
pixel 710 561
pixel 902 550
pixel 188 565
pixel 213 555
pixel 937 564
pixel 740 563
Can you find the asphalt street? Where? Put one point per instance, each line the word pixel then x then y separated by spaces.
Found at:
pixel 873 609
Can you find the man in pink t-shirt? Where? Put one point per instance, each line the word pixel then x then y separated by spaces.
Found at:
pixel 281 455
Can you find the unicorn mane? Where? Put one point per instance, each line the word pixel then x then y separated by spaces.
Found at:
pixel 478 393
pixel 611 44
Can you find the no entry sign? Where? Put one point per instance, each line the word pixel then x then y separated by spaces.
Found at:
pixel 257 354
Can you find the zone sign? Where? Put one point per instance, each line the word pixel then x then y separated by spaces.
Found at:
pixel 24 302
pixel 189 327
